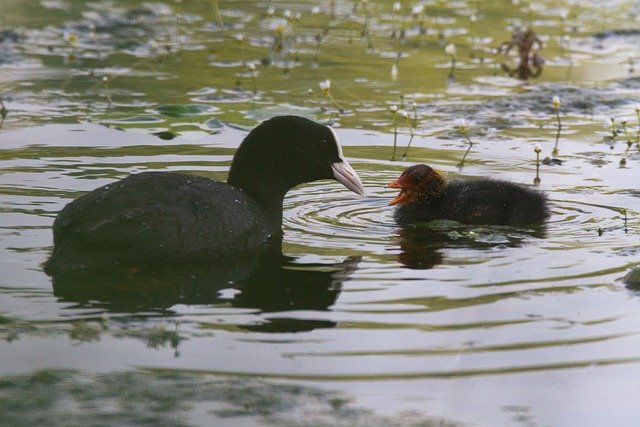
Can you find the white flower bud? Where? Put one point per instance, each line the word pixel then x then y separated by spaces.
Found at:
pixel 450 49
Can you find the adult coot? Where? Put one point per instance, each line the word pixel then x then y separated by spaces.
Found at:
pixel 160 216
pixel 425 195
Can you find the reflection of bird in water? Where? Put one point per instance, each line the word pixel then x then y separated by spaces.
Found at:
pixel 270 283
pixel 426 194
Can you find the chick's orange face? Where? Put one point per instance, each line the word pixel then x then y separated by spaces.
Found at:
pixel 415 184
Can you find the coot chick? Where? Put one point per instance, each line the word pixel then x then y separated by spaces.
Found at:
pixel 154 217
pixel 425 195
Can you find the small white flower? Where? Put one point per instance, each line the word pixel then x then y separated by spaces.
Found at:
pixel 239 38
pixel 404 114
pixel 417 10
pixel 287 14
pixel 555 103
pixel 270 11
pixel 393 109
pixel 397 7
pixel 414 105
pixel 462 124
pixel 297 16
pixel 315 10
pixel 325 86
pixel 450 49
pixel 71 38
pixel 537 148
pixel 473 17
pixel 105 79
pixel 251 66
pixel 310 91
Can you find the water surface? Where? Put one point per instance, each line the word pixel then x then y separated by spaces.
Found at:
pixel 356 322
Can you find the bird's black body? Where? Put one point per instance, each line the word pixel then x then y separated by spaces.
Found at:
pixel 156 217
pixel 481 201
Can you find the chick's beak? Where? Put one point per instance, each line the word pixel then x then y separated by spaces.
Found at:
pixel 402 196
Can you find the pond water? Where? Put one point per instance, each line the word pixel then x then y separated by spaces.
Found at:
pixel 358 322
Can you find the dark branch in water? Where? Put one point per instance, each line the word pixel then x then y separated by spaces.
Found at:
pixel 530 62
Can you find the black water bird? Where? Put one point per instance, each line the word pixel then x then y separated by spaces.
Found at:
pixel 426 195
pixel 155 217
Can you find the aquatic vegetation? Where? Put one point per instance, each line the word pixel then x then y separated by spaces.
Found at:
pixel 530 61
pixel 464 131
pixel 325 87
pixel 555 105
pixel 394 112
pixel 216 13
pixel 3 109
pixel 451 50
pixel 537 149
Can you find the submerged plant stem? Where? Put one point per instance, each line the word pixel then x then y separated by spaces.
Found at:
pixel 461 164
pixel 555 148
pixel 216 12
pixel 395 137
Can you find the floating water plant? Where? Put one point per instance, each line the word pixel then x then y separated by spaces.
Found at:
pixel 394 113
pixel 613 128
pixel 72 40
pixel 325 87
pixel 555 104
pixel 252 69
pixel 240 40
pixel 407 120
pixel 537 149
pixel 216 14
pixel 638 131
pixel 414 107
pixel 105 84
pixel 530 61
pixel 418 14
pixel 451 50
pixel 318 100
pixel 320 35
pixel 462 128
pixel 3 112
pixel 94 37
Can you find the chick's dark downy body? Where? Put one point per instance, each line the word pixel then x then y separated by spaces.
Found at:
pixel 426 195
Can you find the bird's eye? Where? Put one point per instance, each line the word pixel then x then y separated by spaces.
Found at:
pixel 324 143
pixel 417 178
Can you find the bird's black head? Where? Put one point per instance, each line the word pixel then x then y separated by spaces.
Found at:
pixel 286 151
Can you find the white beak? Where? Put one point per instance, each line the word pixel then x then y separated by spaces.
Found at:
pixel 344 173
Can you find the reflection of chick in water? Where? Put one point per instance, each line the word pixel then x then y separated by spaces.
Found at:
pixel 272 282
pixel 420 249
pixel 423 247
